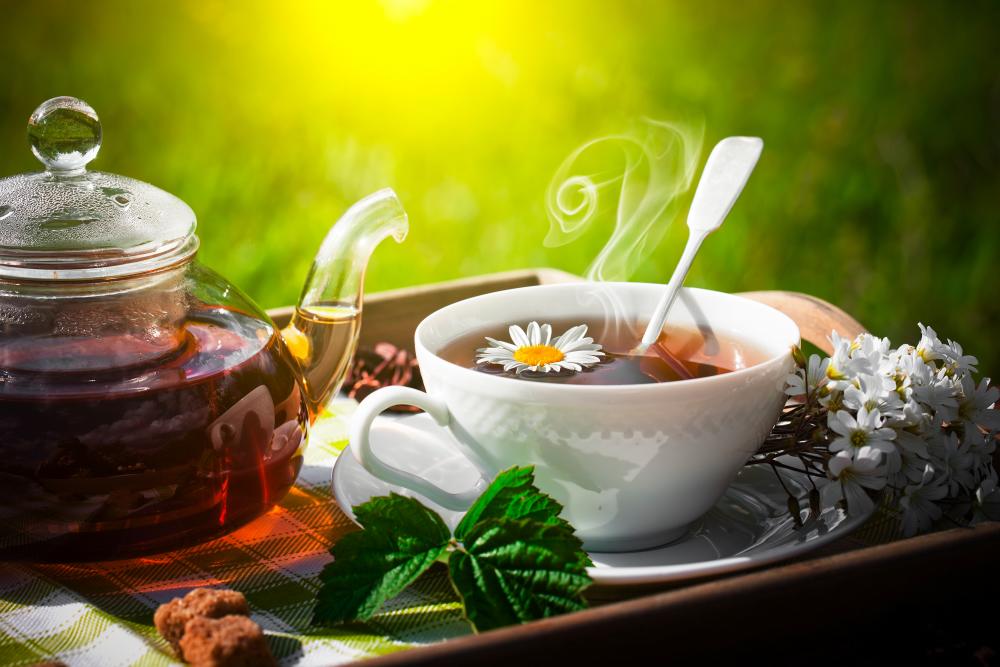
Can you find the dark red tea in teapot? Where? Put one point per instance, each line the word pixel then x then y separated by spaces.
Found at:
pixel 145 402
pixel 106 459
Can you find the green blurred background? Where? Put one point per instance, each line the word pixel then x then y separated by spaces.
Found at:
pixel 878 188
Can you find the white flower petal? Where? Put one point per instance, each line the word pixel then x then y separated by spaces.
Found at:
pixel 866 459
pixel 831 493
pixel 571 336
pixel 840 444
pixel 839 463
pixel 499 343
pixel 857 499
pixel 589 357
pixel 534 333
pixel 518 336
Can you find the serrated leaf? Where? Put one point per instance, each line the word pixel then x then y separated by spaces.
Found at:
pixel 517 570
pixel 512 495
pixel 400 540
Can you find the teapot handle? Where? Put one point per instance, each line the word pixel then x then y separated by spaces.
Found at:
pixel 815 317
pixel 359 435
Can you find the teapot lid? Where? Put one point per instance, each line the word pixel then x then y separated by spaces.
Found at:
pixel 67 223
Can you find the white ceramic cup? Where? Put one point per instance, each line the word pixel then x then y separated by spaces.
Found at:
pixel 633 465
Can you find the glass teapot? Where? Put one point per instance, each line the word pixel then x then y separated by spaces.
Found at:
pixel 145 402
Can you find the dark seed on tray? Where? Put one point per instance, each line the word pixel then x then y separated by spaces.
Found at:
pixel 384 365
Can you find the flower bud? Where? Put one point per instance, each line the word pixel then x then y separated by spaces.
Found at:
pixel 814 505
pixel 798 356
pixel 795 510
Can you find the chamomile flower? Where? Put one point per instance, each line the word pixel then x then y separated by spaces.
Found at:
pixel 914 368
pixel 858 433
pixel 913 416
pixel 952 459
pixel 977 403
pixel 918 502
pixel 852 479
pixel 869 353
pixel 929 347
pixel 873 392
pixel 808 380
pixel 940 396
pixel 956 362
pixel 840 368
pixel 535 350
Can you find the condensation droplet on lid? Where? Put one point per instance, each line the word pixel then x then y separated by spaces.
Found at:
pixel 56 223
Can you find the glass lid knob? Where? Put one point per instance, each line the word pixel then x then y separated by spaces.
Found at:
pixel 65 134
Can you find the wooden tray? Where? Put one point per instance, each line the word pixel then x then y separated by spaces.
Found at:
pixel 845 603
pixel 393 316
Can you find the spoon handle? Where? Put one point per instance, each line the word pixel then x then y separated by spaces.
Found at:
pixel 670 293
pixel 726 172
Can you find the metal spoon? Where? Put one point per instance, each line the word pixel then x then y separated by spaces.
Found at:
pixel 726 172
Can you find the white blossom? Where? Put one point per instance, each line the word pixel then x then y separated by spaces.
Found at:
pixel 842 366
pixel 852 478
pixel 910 420
pixel 869 354
pixel 929 347
pixel 955 361
pixel 913 367
pixel 918 503
pixel 905 464
pixel 976 405
pixel 953 462
pixel 940 396
pixel 809 379
pixel 857 432
pixel 873 392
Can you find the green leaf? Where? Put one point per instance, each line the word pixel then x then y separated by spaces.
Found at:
pixel 518 570
pixel 512 495
pixel 400 540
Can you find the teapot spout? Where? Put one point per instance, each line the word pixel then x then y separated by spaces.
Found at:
pixel 338 272
pixel 323 333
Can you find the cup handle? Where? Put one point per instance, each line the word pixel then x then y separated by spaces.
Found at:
pixel 360 429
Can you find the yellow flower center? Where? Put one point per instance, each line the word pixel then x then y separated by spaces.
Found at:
pixel 538 355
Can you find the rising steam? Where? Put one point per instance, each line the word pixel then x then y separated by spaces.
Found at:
pixel 635 178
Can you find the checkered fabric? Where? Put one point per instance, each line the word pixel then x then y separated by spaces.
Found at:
pixel 101 614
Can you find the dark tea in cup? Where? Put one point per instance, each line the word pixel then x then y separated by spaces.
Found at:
pixel 679 354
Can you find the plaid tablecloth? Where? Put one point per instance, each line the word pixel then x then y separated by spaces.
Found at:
pixel 101 614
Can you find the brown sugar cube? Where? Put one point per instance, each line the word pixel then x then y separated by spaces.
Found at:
pixel 171 617
pixel 230 641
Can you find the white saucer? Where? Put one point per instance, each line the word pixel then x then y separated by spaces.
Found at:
pixel 748 527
